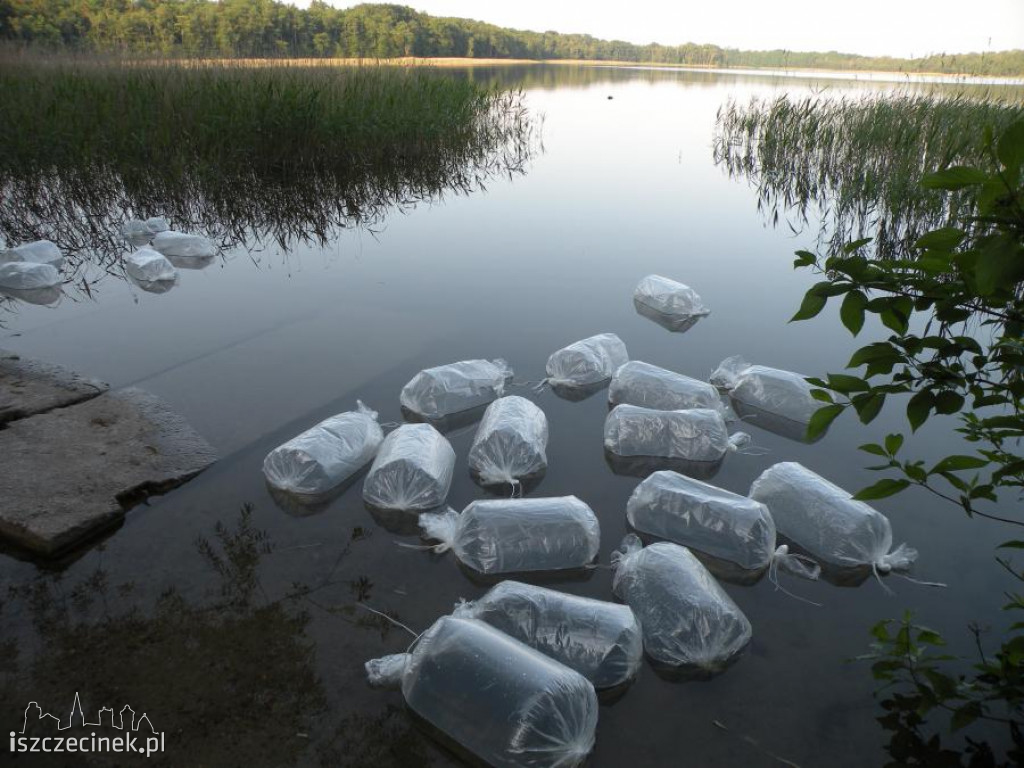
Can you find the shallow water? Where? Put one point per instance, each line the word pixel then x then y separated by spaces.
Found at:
pixel 259 346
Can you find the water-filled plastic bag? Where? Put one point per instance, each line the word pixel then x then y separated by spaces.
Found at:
pixel 586 362
pixel 600 640
pixel 697 434
pixel 184 245
pixel 688 620
pixel 510 442
pixel 413 469
pixel 149 266
pixel 26 275
pixel 511 706
pixel 517 535
pixel 675 306
pixel 646 385
pixel 326 455
pixel 781 393
pixel 826 521
pixel 438 392
pixel 37 252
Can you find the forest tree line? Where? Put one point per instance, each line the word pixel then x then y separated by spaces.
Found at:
pixel 265 28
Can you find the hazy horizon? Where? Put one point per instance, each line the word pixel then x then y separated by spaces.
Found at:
pixel 909 29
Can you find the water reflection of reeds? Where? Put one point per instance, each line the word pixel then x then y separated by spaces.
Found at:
pixel 260 157
pixel 855 164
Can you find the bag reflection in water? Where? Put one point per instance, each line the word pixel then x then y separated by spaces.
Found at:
pixel 510 705
pixel 600 640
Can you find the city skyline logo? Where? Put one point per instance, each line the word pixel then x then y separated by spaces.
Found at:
pixel 138 734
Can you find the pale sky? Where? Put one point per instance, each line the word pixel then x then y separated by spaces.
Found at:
pixel 870 27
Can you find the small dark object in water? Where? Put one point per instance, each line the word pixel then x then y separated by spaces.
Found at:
pixel 610 98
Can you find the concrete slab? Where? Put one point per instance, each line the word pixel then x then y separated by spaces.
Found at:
pixel 28 387
pixel 71 472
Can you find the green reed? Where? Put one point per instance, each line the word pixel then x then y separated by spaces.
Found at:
pixel 855 163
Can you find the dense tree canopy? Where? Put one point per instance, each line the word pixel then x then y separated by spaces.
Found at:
pixel 264 28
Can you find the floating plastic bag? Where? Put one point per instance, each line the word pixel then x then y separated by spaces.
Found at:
pixel 712 520
pixel 643 384
pixel 38 252
pixel 781 393
pixel 518 535
pixel 698 434
pixel 156 224
pixel 510 442
pixel 677 306
pixel 826 521
pixel 437 392
pixel 26 275
pixel 413 469
pixel 588 361
pixel 600 640
pixel 687 618
pixel 508 704
pixel 149 266
pixel 324 456
pixel 182 245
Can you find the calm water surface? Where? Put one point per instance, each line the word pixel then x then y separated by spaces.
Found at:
pixel 262 345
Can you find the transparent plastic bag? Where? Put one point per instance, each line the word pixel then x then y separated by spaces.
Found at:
pixel 438 392
pixel 511 706
pixel 25 276
pixel 183 245
pixel 37 252
pixel 646 385
pixel 588 361
pixel 826 521
pixel 697 434
pixel 149 266
pixel 156 224
pixel 600 640
pixel 677 306
pixel 413 469
pixel 688 620
pixel 781 393
pixel 710 519
pixel 511 441
pixel 324 456
pixel 517 535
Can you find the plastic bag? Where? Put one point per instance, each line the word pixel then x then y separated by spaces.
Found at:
pixel 511 441
pixel 517 535
pixel 156 224
pixel 600 640
pixel 508 704
pixel 26 275
pixel 712 520
pixel 324 456
pixel 413 469
pixel 688 620
pixel 643 384
pixel 698 434
pixel 781 393
pixel 588 361
pixel 148 266
pixel 182 245
pixel 437 392
pixel 678 306
pixel 826 521
pixel 37 252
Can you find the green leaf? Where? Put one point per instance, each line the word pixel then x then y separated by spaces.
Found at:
pixel 821 420
pixel 873 448
pixel 943 239
pixel 881 489
pixel 999 264
pixel 811 306
pixel 840 382
pixel 852 311
pixel 918 408
pixel 856 244
pixel 1015 544
pixel 965 715
pixel 893 443
pixel 929 636
pixel 958 462
pixel 948 402
pixel 1010 149
pixel 868 406
pixel 821 396
pixel 954 177
pixel 804 259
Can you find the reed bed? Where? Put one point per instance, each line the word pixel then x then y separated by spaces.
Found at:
pixel 855 164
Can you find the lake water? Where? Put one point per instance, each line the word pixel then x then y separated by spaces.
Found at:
pixel 262 345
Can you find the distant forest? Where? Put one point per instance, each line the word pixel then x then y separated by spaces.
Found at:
pixel 264 28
